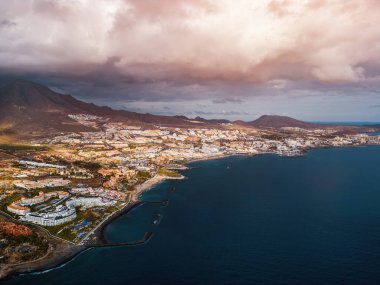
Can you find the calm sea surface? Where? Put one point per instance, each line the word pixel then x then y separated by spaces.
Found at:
pixel 247 220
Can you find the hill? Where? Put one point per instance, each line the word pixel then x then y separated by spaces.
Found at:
pixel 274 121
pixel 29 108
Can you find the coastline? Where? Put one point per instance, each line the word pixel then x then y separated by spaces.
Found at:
pixel 65 251
pixel 59 254
pixel 150 183
pixel 133 203
pixel 99 231
pixel 208 158
pixel 55 258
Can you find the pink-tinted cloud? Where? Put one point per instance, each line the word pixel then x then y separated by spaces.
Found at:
pixel 240 40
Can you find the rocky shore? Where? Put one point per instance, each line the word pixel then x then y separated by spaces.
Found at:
pixel 59 252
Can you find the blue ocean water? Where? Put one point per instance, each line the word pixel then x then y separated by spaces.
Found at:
pixel 248 220
pixel 347 123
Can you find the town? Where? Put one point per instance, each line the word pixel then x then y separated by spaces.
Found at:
pixel 71 183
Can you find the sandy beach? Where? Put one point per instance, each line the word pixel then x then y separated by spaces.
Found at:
pixel 150 183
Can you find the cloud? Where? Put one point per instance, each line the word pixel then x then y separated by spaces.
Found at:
pixel 312 59
pixel 4 24
pixel 192 40
pixel 227 100
pixel 223 113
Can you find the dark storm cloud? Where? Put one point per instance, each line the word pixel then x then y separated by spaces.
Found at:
pixel 193 40
pixel 186 54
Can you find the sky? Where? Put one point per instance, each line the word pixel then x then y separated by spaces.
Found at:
pixel 316 60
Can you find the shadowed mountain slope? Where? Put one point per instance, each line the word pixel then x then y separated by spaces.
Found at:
pixel 27 108
pixel 30 109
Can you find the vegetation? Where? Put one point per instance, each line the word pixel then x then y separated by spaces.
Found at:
pixel 143 176
pixel 62 231
pixel 92 182
pixel 15 147
pixel 92 166
pixel 20 248
pixel 65 231
pixel 9 200
pixel 275 137
pixel 168 173
pixel 36 191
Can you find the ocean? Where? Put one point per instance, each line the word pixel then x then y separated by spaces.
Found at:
pixel 247 220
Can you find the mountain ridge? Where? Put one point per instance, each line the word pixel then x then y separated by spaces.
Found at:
pixel 29 108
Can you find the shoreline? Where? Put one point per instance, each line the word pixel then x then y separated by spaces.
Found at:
pixel 56 258
pixel 150 183
pixel 99 231
pixel 61 257
pixel 146 186
pixel 60 254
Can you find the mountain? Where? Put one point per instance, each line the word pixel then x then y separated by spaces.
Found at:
pixel 278 122
pixel 29 108
pixel 274 121
pixel 213 121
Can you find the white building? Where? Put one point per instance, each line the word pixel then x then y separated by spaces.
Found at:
pixel 89 202
pixel 60 216
pixel 40 164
